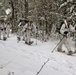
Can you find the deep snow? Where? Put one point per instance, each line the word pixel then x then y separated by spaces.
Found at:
pixel 21 59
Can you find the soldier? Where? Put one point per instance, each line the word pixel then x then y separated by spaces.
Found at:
pixel 29 27
pixel 4 32
pixel 65 30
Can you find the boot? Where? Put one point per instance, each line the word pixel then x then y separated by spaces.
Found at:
pixel 18 38
pixel 23 39
pixel 26 42
pixel 30 42
pixel 4 38
pixel 75 51
pixel 59 50
pixel 70 53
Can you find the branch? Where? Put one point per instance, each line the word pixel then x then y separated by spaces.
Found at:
pixel 22 2
pixel 62 5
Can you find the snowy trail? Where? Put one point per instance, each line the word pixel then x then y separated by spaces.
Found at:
pixel 22 59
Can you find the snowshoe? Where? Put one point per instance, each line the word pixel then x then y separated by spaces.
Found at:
pixel 4 38
pixel 29 42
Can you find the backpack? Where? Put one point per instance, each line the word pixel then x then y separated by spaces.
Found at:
pixel 59 27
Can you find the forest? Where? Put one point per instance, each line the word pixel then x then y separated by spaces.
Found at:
pixel 46 14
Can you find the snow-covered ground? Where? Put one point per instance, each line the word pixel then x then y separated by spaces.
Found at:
pixel 21 59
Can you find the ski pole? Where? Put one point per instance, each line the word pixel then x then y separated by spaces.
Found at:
pixel 57 45
pixel 75 38
pixel 36 34
pixel 36 38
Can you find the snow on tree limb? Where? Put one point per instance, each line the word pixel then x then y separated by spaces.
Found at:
pixel 62 5
pixel 54 13
pixel 71 8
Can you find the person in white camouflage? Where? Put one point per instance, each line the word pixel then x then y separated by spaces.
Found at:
pixel 65 30
pixel 29 27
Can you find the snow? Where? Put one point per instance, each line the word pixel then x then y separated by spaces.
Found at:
pixel 21 59
pixel 8 11
pixel 62 5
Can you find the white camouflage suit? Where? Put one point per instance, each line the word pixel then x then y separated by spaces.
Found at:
pixel 65 39
pixel 28 28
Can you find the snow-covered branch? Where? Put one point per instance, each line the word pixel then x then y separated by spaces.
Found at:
pixel 62 5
